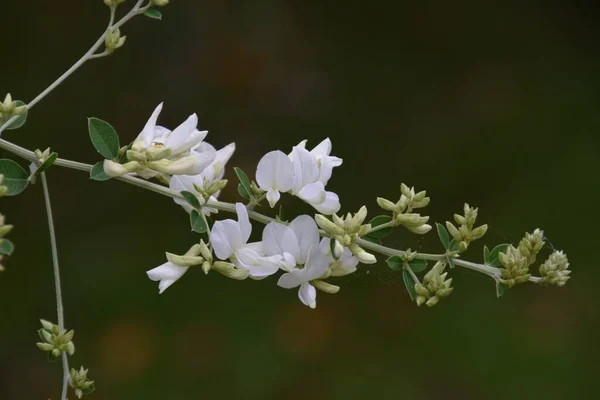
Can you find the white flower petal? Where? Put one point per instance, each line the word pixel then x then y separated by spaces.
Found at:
pixel 275 171
pixel 147 133
pixel 273 196
pixel 313 193
pixel 243 221
pixel 323 148
pixel 306 169
pixel 291 279
pixel 167 274
pixel 258 267
pixel 307 234
pixel 278 239
pixel 226 237
pixel 308 295
pixel 330 206
pixel 202 160
pixel 180 135
pixel 316 265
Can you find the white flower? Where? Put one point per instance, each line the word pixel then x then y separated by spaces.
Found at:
pixel 345 264
pixel 229 239
pixel 302 258
pixel 167 274
pixel 157 150
pixel 212 173
pixel 326 162
pixel 301 173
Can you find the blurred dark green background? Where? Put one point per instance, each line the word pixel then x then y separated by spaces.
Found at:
pixel 494 103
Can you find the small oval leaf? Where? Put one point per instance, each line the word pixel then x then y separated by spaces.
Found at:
pixel 197 222
pixel 409 282
pixel 153 13
pixel 395 263
pixel 191 199
pixel 443 235
pixel 381 233
pixel 15 177
pixel 501 248
pixel 418 265
pixel 242 191
pixel 97 172
pixel 244 181
pixel 104 138
pixel 47 164
pixel 6 247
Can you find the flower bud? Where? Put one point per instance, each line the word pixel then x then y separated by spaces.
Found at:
pixel 115 169
pixel 386 204
pixel 113 39
pixel 325 287
pixel 160 3
pixel 229 270
pixel 361 254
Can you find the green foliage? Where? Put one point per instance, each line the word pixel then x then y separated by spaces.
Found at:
pixel 244 188
pixel 332 249
pixel 153 13
pixel 491 257
pixel 47 164
pixel 97 172
pixel 409 282
pixel 381 233
pixel 242 191
pixel 197 222
pixel 191 199
pixel 395 263
pixel 443 235
pixel 6 247
pixel 417 265
pixel 15 177
pixel 104 138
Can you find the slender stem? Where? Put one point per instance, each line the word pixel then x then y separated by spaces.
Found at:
pixel 57 284
pixel 133 12
pixel 389 224
pixel 488 270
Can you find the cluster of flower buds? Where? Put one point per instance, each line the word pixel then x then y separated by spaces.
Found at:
pixel 402 210
pixel 516 267
pixel 434 286
pixel 466 233
pixel 9 108
pixel 80 382
pixel 113 39
pixel 346 231
pixel 555 270
pixel 54 341
pixel 199 254
pixel 531 244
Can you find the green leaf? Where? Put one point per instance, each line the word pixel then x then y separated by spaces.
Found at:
pixel 450 261
pixel 6 247
pixel 104 138
pixel 395 263
pixel 15 177
pixel 88 390
pixel 97 172
pixel 46 164
pixel 244 181
pixel 153 13
pixel 242 191
pixel 51 357
pixel 382 233
pixel 418 265
pixel 409 282
pixel 444 236
pixel 20 121
pixel 453 246
pixel 332 249
pixel 197 222
pixel 486 255
pixel 493 259
pixel 499 289
pixel 191 199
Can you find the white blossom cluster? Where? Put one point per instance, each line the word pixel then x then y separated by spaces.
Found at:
pixel 190 164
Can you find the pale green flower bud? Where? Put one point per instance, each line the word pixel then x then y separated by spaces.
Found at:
pixel 478 232
pixel 154 153
pixel 453 231
pixel 113 39
pixel 361 254
pixel 386 204
pixel 434 287
pixel 555 270
pixel 205 251
pixel 516 267
pixel 329 226
pixel 229 270
pixel 358 219
pixel 531 245
pixel 160 3
pixel 190 258
pixel 80 382
pixel 325 287
pixel 133 155
pixel 419 230
pixel 115 169
pixel 408 256
pixel 55 342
